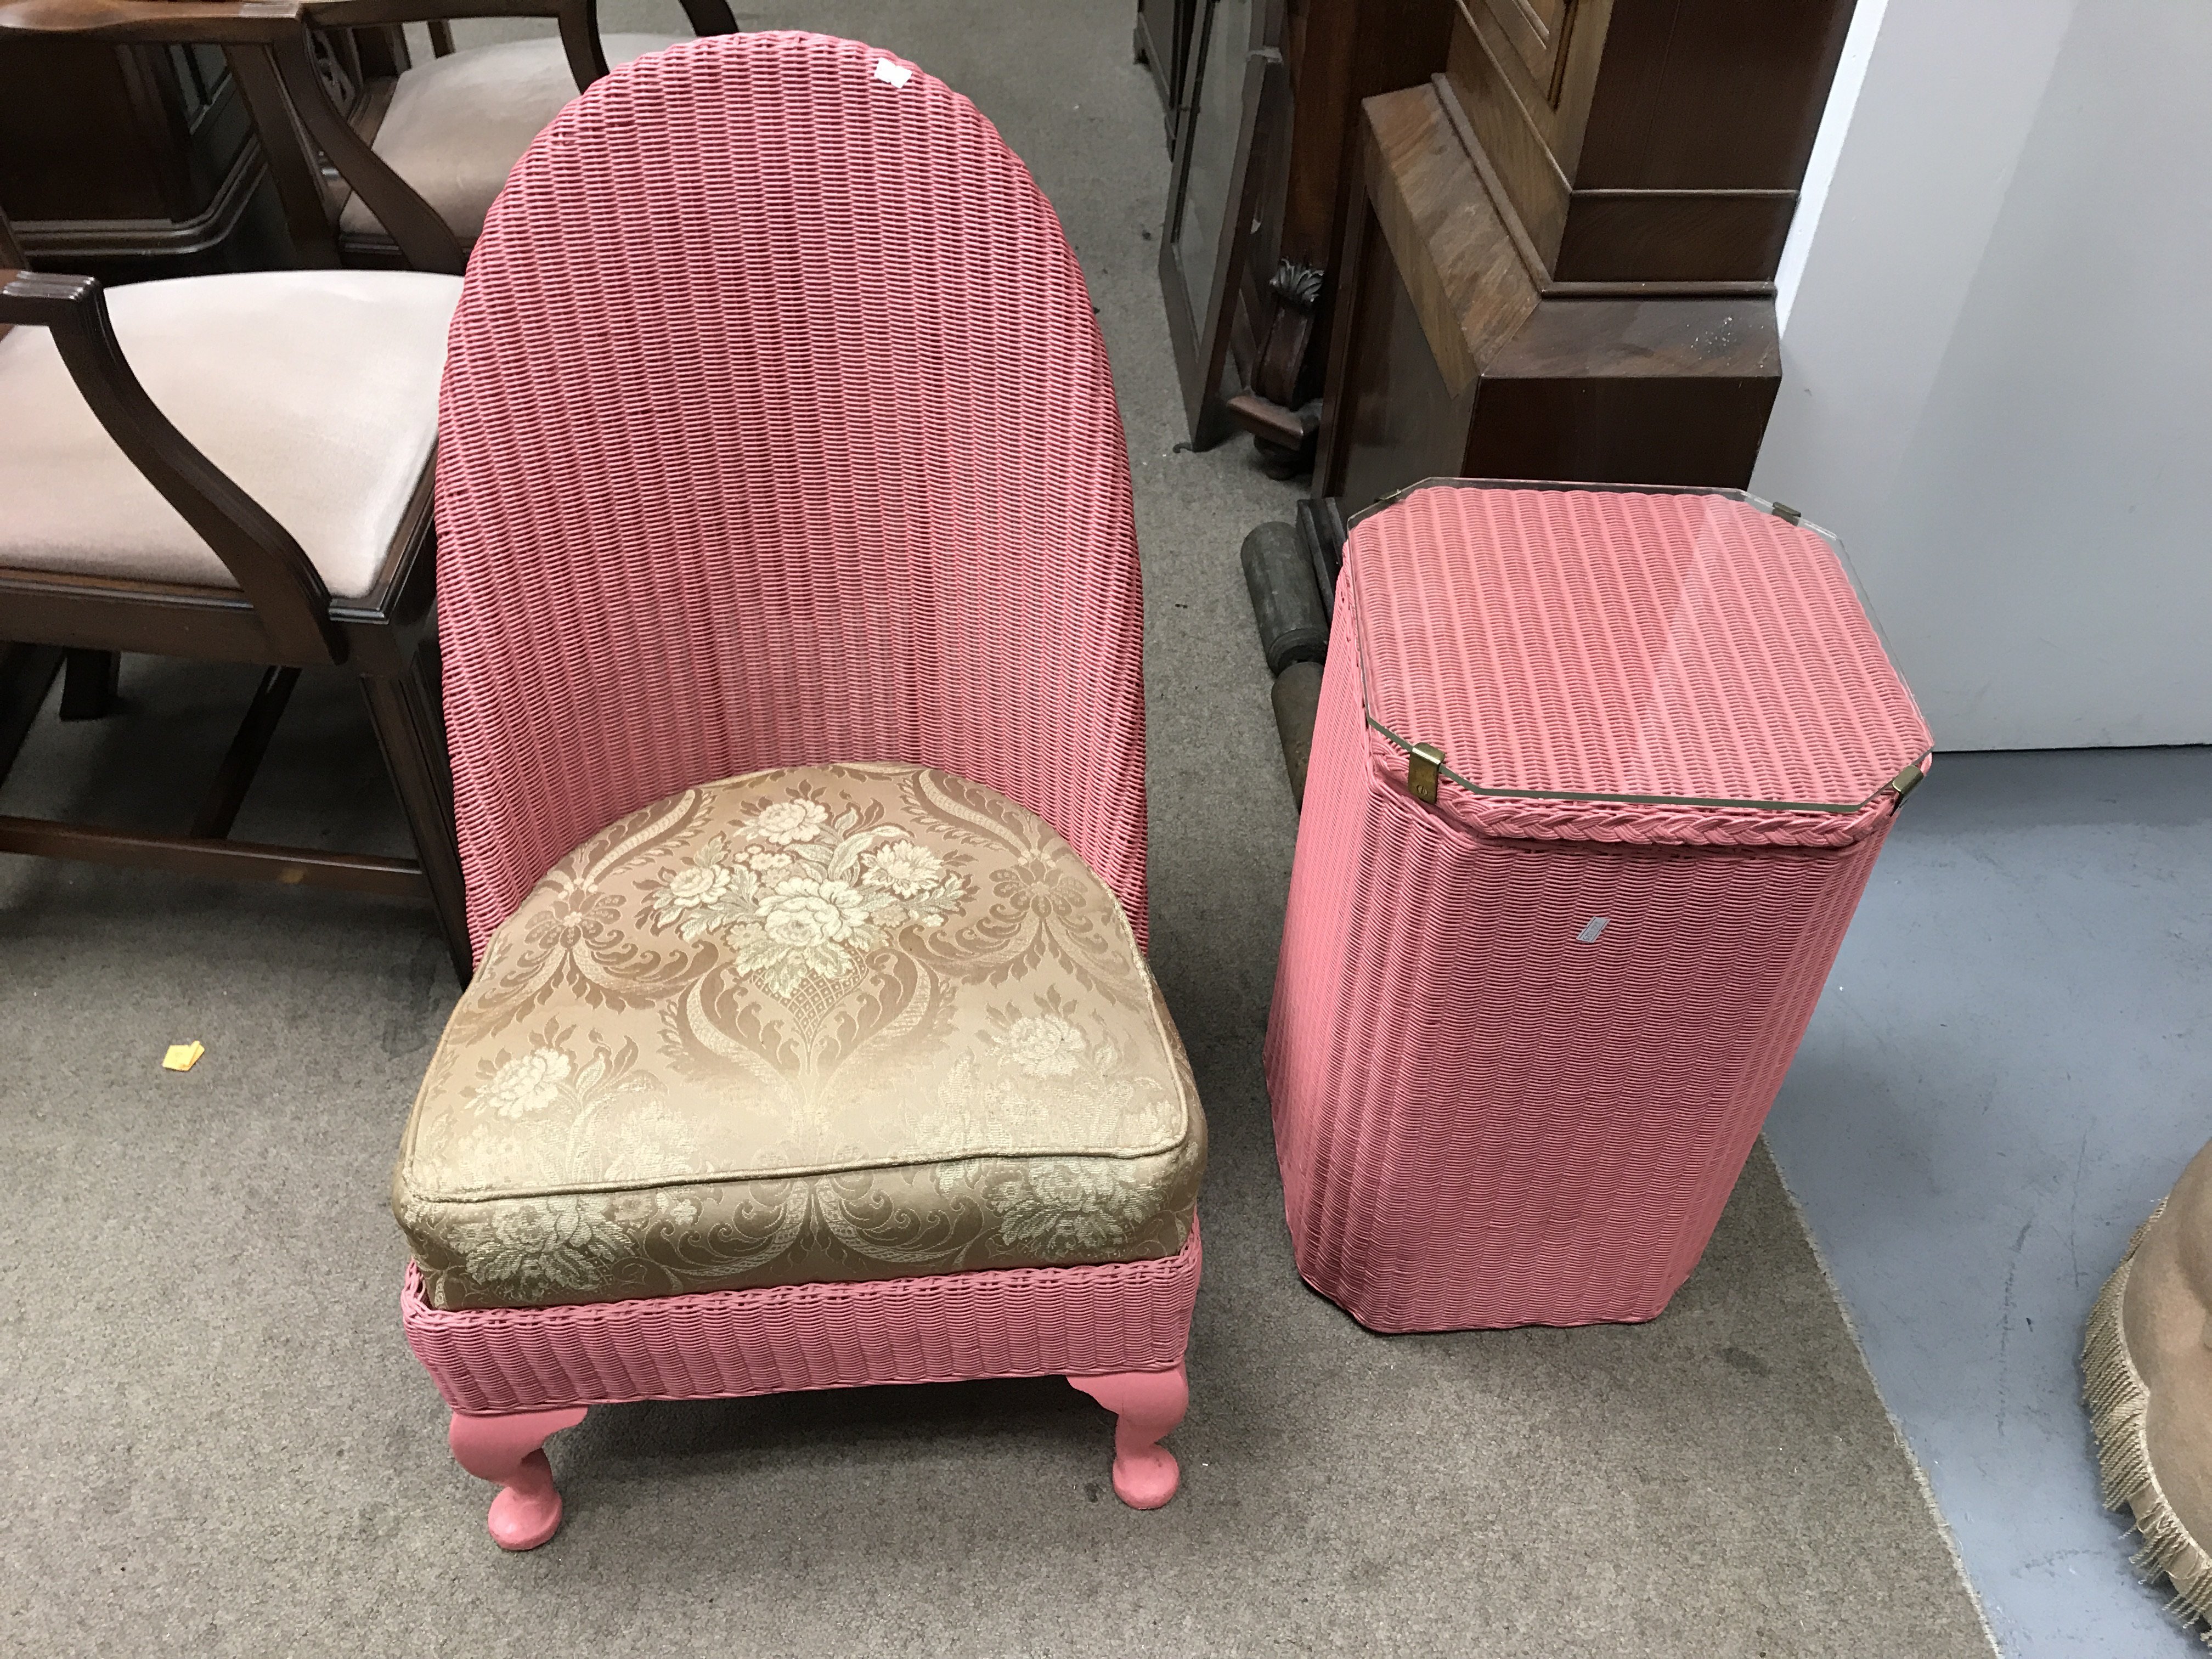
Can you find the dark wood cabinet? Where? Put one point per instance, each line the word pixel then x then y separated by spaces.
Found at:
pixel 1335 53
pixel 129 162
pixel 124 162
pixel 1648 140
pixel 1560 255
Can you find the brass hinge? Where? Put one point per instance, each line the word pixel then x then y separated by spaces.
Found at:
pixel 1906 781
pixel 1786 512
pixel 1422 762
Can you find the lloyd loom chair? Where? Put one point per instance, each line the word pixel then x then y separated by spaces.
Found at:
pixel 793 648
pixel 232 467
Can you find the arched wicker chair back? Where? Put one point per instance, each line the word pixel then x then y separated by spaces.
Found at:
pixel 777 430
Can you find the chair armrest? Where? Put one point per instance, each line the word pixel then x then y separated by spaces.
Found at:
pixel 707 16
pixel 578 19
pixel 154 22
pixel 275 576
pixel 426 241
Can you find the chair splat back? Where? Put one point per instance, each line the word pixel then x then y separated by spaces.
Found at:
pixel 777 430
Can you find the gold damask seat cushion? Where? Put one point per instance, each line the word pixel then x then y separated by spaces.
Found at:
pixel 818 1024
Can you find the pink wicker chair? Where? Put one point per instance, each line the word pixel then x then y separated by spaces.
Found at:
pixel 777 433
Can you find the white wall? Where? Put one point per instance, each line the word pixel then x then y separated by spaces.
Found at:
pixel 1997 362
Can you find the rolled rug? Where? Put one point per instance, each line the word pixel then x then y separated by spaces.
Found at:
pixel 2147 1380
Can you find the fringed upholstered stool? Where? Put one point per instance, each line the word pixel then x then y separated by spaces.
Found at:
pixel 792 650
pixel 2147 1375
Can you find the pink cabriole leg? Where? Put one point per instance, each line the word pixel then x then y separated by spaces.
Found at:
pixel 1146 1405
pixel 506 1450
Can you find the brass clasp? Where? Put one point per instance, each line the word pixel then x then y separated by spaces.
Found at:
pixel 1422 762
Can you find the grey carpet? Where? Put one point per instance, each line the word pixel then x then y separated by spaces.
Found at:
pixel 219 1442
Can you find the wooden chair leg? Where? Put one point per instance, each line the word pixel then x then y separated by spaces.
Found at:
pixel 410 729
pixel 510 1451
pixel 89 683
pixel 1146 1405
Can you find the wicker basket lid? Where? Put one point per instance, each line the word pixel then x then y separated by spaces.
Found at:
pixel 1622 663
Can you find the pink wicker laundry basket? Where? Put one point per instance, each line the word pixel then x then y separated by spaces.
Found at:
pixel 1599 776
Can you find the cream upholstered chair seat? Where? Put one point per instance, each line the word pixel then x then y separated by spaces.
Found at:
pixel 458 124
pixel 315 390
pixel 820 1024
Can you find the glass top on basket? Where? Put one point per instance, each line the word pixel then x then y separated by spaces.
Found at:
pixel 1611 643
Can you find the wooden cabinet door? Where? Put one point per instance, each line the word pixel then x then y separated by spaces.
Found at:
pixel 1538 30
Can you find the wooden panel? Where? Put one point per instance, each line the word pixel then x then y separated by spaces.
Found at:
pixel 76 141
pixel 1515 129
pixel 1631 391
pixel 1349 50
pixel 1674 236
pixel 1606 431
pixel 1643 339
pixel 1401 423
pixel 115 617
pixel 1707 108
pixel 130 162
pixel 1706 95
pixel 1537 29
pixel 1554 99
pixel 1451 360
pixel 1468 282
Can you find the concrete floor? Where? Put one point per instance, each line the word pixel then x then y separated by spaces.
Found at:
pixel 219 1442
pixel 2006 1073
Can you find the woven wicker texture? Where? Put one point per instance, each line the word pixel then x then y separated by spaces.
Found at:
pixel 1485 1118
pixel 777 430
pixel 1027 1321
pixel 1628 644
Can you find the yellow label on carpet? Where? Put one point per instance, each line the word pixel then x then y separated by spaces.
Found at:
pixel 182 1056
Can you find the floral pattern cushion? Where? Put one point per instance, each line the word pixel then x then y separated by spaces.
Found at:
pixel 823 1024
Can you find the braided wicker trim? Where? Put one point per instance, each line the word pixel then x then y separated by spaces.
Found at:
pixel 1521 818
pixel 1613 666
pixel 944 1328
